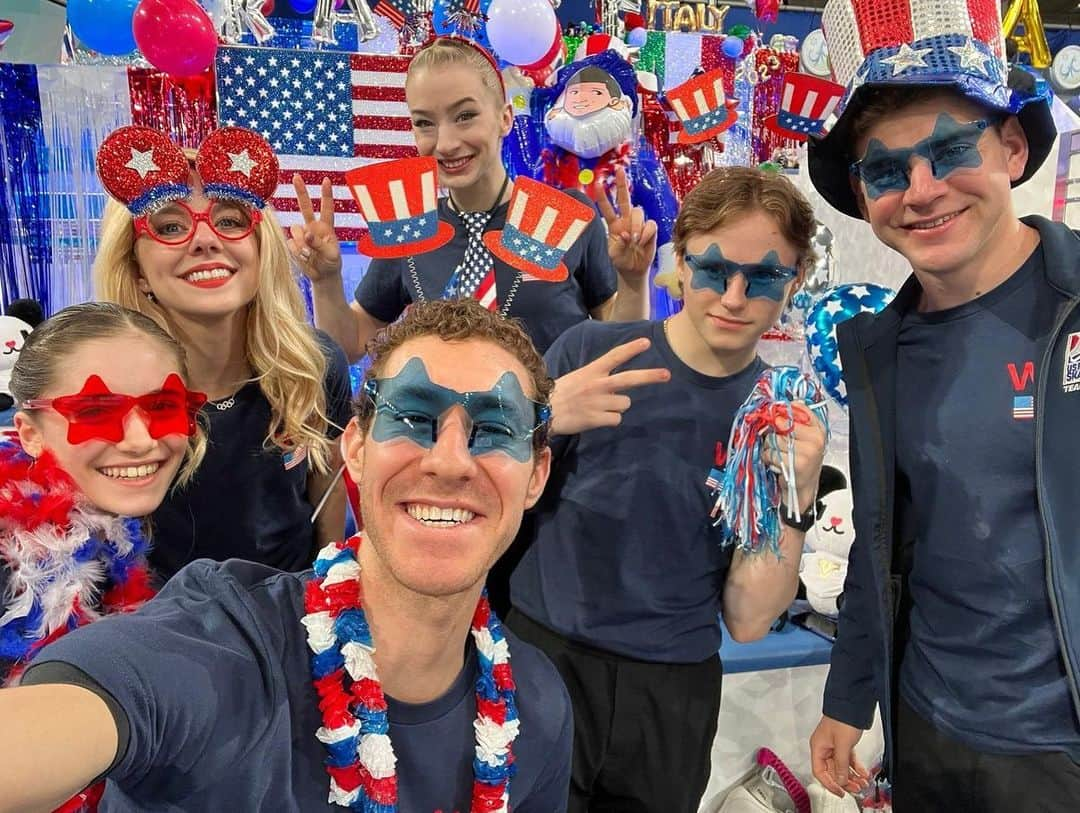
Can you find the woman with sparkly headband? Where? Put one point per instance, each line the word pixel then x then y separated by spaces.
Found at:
pixel 460 116
pixel 190 241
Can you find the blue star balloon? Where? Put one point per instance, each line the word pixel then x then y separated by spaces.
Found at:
pixel 837 305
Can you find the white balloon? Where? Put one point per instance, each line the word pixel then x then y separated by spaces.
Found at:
pixel 522 31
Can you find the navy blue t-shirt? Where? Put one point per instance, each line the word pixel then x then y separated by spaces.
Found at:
pixel 545 308
pixel 247 500
pixel 983 663
pixel 624 556
pixel 214 679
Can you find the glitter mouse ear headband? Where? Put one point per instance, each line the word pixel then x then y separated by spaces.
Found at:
pixel 143 169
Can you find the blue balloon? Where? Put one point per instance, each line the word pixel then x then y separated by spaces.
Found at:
pixel 836 306
pixel 732 47
pixel 302 6
pixel 637 38
pixel 103 25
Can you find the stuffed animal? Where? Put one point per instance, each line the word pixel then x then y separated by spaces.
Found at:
pixel 13 333
pixel 824 567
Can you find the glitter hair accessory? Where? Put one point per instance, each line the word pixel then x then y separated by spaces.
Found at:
pixel 399 204
pixel 238 164
pixel 144 170
pixel 944 43
pixel 542 224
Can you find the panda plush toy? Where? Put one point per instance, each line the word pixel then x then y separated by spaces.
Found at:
pixel 824 565
pixel 21 318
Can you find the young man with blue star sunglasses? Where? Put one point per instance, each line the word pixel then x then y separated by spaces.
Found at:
pixel 624 577
pixel 964 395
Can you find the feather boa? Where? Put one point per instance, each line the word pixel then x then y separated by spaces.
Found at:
pixel 67 563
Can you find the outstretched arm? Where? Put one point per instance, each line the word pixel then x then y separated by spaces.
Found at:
pixel 55 739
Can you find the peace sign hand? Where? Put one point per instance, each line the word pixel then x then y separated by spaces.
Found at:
pixel 592 396
pixel 314 246
pixel 631 238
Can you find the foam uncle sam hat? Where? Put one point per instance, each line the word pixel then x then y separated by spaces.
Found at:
pixel 702 109
pixel 398 201
pixel 936 43
pixel 805 103
pixel 542 224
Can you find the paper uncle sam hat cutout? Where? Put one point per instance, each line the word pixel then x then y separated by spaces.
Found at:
pixel 398 201
pixel 955 44
pixel 805 103
pixel 541 225
pixel 701 107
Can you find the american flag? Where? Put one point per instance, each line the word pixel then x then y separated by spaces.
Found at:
pixel 323 113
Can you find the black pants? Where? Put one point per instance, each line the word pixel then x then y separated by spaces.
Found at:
pixel 643 732
pixel 935 772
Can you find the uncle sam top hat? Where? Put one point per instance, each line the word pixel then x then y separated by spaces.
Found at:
pixel 944 43
pixel 399 202
pixel 542 224
pixel 805 103
pixel 701 107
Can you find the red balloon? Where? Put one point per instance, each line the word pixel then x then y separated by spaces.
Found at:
pixel 175 36
pixel 267 8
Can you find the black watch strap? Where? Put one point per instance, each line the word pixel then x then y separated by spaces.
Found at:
pixel 804 523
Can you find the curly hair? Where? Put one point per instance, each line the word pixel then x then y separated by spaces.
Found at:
pixel 456 320
pixel 728 193
pixel 55 339
pixel 281 347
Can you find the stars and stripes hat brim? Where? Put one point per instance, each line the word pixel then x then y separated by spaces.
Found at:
pixel 957 44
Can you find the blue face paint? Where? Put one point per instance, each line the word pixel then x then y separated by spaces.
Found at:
pixel 767 278
pixel 411 406
pixel 951 146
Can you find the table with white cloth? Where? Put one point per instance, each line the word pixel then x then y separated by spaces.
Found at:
pixel 772 697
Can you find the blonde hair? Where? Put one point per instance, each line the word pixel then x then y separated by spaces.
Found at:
pixel 445 51
pixel 281 347
pixel 55 339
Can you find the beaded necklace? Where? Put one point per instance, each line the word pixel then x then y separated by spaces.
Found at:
pixel 355 729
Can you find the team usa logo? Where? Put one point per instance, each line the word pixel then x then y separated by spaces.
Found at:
pixel 1071 378
pixel 1023 404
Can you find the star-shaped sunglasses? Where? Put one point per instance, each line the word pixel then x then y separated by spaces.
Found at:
pixel 96 413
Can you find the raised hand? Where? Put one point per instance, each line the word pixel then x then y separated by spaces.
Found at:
pixel 631 238
pixel 314 246
pixel 592 396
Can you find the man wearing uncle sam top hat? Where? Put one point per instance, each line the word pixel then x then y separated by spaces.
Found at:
pixel 962 603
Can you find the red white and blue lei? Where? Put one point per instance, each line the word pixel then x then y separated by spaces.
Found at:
pixel 355 729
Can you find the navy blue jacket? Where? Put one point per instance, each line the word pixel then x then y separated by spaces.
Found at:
pixel 873 620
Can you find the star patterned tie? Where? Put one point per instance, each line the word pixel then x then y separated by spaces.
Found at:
pixel 477 261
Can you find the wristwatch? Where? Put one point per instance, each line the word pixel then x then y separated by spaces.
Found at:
pixel 804 524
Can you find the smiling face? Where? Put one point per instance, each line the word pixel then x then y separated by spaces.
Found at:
pixel 457 119
pixel 128 478
pixel 953 215
pixel 439 514
pixel 206 277
pixel 725 320
pixel 582 98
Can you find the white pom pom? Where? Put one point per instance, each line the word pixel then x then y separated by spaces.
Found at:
pixel 493 740
pixel 329 736
pixel 358 662
pixel 320 631
pixel 377 755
